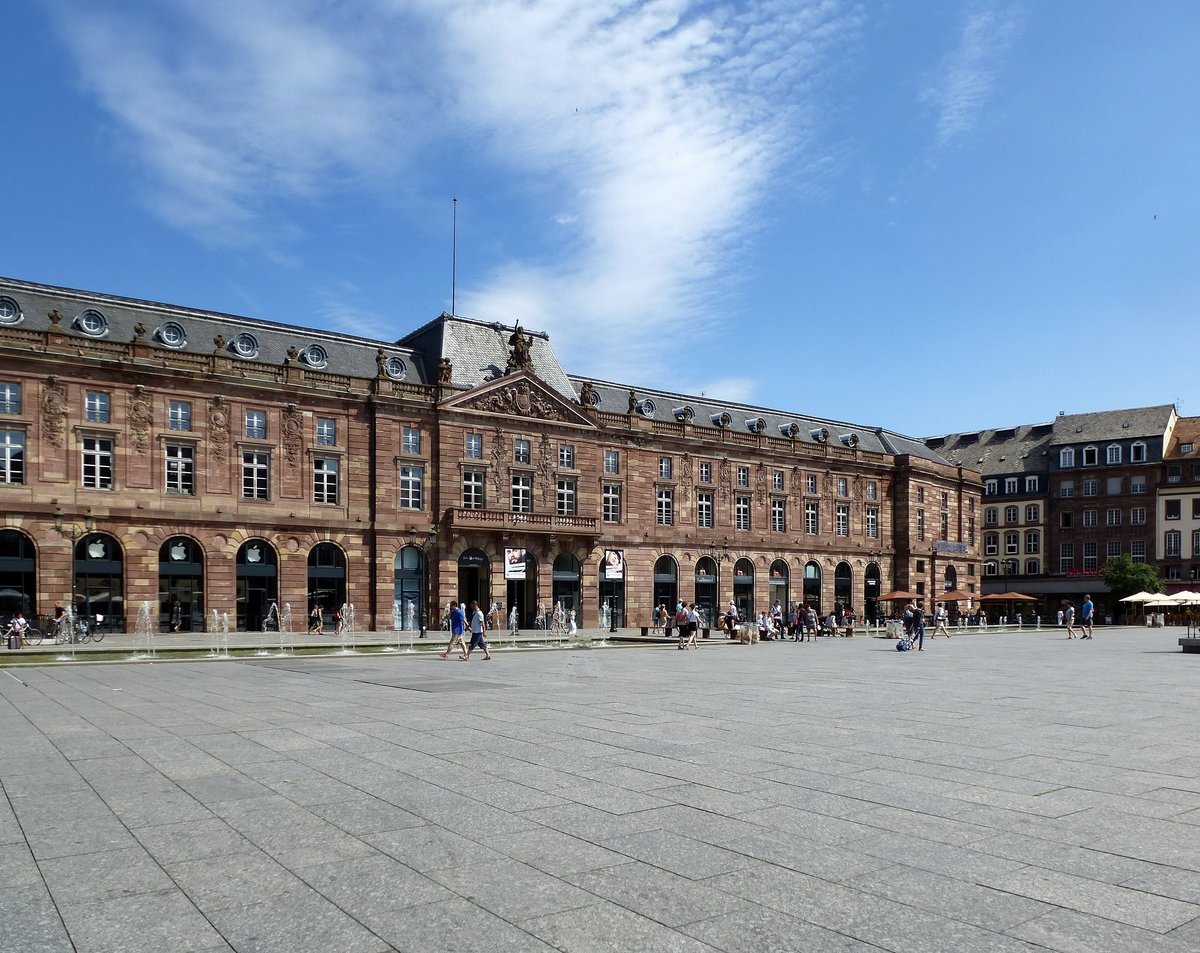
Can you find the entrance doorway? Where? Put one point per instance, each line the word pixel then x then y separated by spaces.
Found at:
pixel 522 593
pixel 743 588
pixel 666 584
pixel 567 586
pixel 257 584
pixel 181 576
pixel 475 578
pixel 707 586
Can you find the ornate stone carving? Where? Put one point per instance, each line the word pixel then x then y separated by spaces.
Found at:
pixel 292 428
pixel 141 417
pixel 797 480
pixel 546 460
pixel 445 371
pixel 55 317
pixel 54 411
pixel 587 395
pixel 519 358
pixel 518 400
pixel 685 476
pixel 724 478
pixel 218 428
pixel 499 446
pixel 760 483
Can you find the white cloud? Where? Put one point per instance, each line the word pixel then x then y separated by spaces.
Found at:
pixel 643 134
pixel 966 75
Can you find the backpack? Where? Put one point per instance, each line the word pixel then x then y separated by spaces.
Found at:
pixel 681 617
pixel 904 645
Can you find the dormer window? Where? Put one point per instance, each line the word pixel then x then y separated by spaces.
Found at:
pixel 244 345
pixel 10 311
pixel 92 323
pixel 1066 457
pixel 315 356
pixel 395 368
pixel 171 334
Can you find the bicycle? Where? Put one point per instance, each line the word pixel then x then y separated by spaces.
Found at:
pixel 30 636
pixel 84 631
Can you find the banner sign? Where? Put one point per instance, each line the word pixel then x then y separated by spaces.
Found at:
pixel 614 564
pixel 514 564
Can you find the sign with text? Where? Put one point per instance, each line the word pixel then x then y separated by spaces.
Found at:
pixel 614 564
pixel 514 564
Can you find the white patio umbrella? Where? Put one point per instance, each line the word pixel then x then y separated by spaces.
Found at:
pixel 1186 598
pixel 1141 597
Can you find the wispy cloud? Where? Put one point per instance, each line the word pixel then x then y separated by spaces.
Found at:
pixel 642 136
pixel 967 74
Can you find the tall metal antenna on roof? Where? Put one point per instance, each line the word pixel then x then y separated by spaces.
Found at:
pixel 453 252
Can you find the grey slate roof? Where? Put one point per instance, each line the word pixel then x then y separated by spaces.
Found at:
pixel 479 351
pixel 706 412
pixel 1005 450
pixel 1113 425
pixel 347 355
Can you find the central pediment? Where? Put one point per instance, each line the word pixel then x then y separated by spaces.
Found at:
pixel 520 395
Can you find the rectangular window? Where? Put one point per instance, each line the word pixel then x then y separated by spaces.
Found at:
pixel 1196 509
pixel 991 544
pixel 326 432
pixel 612 461
pixel 98 463
pixel 1112 486
pixel 665 512
pixel 1012 543
pixel 12 456
pixel 1091 456
pixel 1172 540
pixel 1066 519
pixel 1112 549
pixel 565 500
pixel 1089 519
pixel 1091 487
pixel 473 446
pixel 1010 484
pixel 1174 472
pixel 777 481
pixel 945 500
pixel 1066 488
pixel 841 519
pixel 990 487
pixel 566 456
pixel 1031 484
pixel 991 516
pixel 410 440
pixel 743 476
pixel 945 526
pixel 522 493
pixel 1137 484
pixel 1066 557
pixel 325 480
pixel 612 503
pixel 1033 513
pixel 181 469
pixel 665 468
pixel 1173 509
pixel 1010 514
pixel 521 451
pixel 920 524
pixel 1113 454
pixel 1137 516
pixel 1137 550
pixel 1112 516
pixel 920 494
pixel 256 474
pixel 810 483
pixel 412 487
pixel 843 487
pixel 1033 543
pixel 872 515
pixel 256 424
pixel 1066 457
pixel 10 398
pixel 704 510
pixel 778 516
pixel 706 473
pixel 971 530
pixel 872 490
pixel 179 415
pixel 96 407
pixel 741 512
pixel 473 486
pixel 1137 453
pixel 1196 542
pixel 812 522
pixel 1090 550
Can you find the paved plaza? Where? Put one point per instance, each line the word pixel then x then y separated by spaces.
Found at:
pixel 997 792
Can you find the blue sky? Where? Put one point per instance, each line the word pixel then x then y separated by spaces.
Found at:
pixel 930 216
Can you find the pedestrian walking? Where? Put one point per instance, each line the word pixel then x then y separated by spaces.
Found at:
pixel 693 626
pixel 918 626
pixel 939 617
pixel 1069 616
pixel 316 621
pixel 1087 615
pixel 478 641
pixel 458 623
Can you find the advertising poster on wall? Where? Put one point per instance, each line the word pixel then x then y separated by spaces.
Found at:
pixel 614 564
pixel 514 564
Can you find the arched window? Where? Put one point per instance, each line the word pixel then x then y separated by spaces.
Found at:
pixel 843 585
pixel 257 567
pixel 18 574
pixel 181 585
pixel 326 577
pixel 743 587
pixel 666 583
pixel 812 585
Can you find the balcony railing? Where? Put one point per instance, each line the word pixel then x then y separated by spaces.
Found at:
pixel 524 522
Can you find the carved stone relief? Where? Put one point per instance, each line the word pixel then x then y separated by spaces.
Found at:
pixel 218 428
pixel 54 412
pixel 292 428
pixel 141 417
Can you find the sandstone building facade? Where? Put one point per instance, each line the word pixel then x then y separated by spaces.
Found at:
pixel 247 468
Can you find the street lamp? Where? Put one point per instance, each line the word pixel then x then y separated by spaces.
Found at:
pixel 73 532
pixel 429 543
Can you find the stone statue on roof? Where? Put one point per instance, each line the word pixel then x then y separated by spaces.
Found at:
pixel 587 395
pixel 445 371
pixel 519 358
